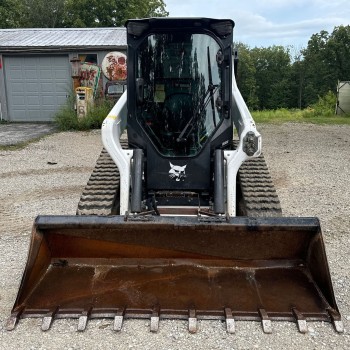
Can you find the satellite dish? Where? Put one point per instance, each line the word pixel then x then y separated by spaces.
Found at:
pixel 114 66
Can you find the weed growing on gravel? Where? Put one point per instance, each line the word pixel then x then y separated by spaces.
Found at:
pixel 66 118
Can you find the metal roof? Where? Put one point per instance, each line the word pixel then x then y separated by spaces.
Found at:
pixel 53 39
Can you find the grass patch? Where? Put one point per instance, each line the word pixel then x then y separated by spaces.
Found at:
pixel 66 119
pixel 321 112
pixel 308 115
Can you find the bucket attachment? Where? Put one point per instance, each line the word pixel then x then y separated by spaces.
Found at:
pixel 262 269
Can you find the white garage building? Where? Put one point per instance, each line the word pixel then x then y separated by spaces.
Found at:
pixel 35 68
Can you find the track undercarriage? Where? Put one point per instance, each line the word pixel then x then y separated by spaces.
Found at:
pixel 257 194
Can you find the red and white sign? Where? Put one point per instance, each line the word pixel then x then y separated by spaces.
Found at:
pixel 114 66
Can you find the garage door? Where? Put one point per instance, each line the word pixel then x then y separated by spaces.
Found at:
pixel 36 86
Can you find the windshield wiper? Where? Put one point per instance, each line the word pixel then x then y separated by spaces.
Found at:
pixel 211 89
pixel 211 83
pixel 208 96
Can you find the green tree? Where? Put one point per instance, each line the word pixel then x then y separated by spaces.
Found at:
pixel 246 76
pixel 43 13
pixel 326 60
pixel 318 74
pixel 273 71
pixel 10 13
pixel 338 52
pixel 76 13
pixel 110 13
pixel 297 78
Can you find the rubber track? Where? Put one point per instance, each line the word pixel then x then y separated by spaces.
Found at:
pixel 259 196
pixel 102 190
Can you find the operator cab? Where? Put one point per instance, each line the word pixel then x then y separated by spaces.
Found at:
pixel 179 98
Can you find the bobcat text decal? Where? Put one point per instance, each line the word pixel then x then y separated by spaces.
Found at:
pixel 177 172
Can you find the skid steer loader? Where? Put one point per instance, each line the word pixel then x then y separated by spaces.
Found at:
pixel 180 218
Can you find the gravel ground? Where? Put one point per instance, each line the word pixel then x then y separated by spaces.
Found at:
pixel 310 167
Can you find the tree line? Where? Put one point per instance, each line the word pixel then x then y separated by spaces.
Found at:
pixel 76 13
pixel 268 77
pixel 284 77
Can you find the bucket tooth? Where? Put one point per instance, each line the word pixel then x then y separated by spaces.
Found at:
pixel 301 320
pixel 48 319
pixel 13 320
pixel 336 320
pixel 192 321
pixel 339 326
pixel 83 319
pixel 230 321
pixel 265 321
pixel 118 320
pixel 47 322
pixel 155 321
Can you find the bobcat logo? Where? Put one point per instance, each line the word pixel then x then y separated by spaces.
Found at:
pixel 177 172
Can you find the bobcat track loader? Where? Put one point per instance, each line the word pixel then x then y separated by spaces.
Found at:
pixel 180 218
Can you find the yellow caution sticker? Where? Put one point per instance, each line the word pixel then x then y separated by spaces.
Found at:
pixel 114 117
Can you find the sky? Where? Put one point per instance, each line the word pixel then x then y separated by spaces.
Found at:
pixel 264 23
